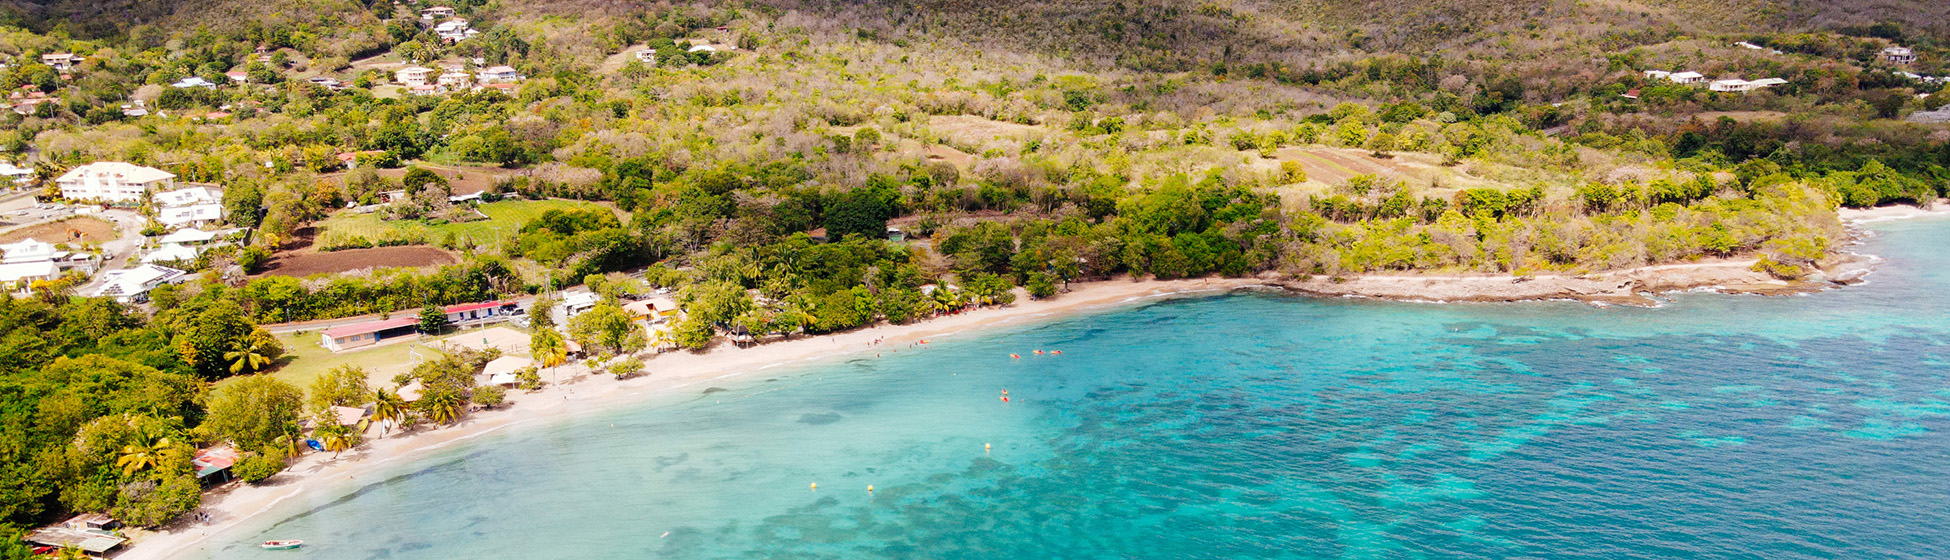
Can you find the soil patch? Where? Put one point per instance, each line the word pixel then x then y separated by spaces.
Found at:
pixel 309 263
pixel 71 230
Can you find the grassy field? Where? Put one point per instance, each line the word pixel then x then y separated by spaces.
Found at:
pixel 307 360
pixel 505 218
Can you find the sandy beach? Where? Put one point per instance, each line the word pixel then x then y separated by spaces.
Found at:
pixel 677 372
pixel 668 374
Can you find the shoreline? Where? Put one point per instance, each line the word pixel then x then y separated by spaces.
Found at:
pixel 588 394
pixel 669 373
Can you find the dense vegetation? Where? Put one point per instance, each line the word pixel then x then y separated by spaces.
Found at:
pixel 1012 144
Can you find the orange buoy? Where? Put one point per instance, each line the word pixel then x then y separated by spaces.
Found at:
pixel 1039 352
pixel 1015 356
pixel 1056 351
pixel 1005 399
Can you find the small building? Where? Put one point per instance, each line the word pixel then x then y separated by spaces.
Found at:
pixel 654 310
pixel 132 285
pixel 326 82
pixel 10 173
pixel 189 196
pixel 1630 94
pixel 502 371
pixel 171 253
pixel 1749 46
pixel 412 76
pixel 348 416
pixel 437 12
pixel 647 57
pixel 113 181
pixel 194 215
pixel 238 76
pixel 28 250
pixel 1687 77
pixel 498 75
pixel 91 533
pixel 136 109
pixel 360 335
pixel 193 82
pixel 1899 55
pixel 351 159
pixel 482 313
pixel 213 464
pixel 573 304
pixel 702 49
pixel 1767 83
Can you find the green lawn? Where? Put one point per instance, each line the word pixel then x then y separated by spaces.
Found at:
pixel 507 215
pixel 307 360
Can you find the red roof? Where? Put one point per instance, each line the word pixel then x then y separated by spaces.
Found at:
pixel 371 327
pixel 466 307
pixel 215 458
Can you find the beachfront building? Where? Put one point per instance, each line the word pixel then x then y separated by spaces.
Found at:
pixel 132 285
pixel 359 335
pixel 113 181
pixel 504 371
pixel 91 533
pixel 654 310
pixel 471 314
pixel 213 464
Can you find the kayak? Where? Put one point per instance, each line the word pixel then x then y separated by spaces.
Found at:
pixel 281 545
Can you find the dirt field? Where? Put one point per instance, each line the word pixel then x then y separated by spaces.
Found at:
pixel 465 179
pixel 89 230
pixel 309 263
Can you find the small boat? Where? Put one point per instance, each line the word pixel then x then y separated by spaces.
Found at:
pixel 281 545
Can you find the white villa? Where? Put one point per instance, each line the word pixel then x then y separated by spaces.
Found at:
pixel 113 181
pixel 192 215
pixel 190 196
pixel 169 253
pixel 437 12
pixel 498 75
pixel 133 284
pixel 412 76
pixel 455 81
pixel 188 236
pixel 19 276
pixel 1686 77
pixel 647 56
pixel 62 62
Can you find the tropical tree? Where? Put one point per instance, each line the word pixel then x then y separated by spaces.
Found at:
pixel 253 353
pixel 433 320
pixel 138 457
pixel 441 407
pixel 390 408
pixel 549 347
pixel 254 411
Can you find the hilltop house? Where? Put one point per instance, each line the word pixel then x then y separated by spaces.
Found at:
pixel 187 196
pixel 1657 74
pixel 193 206
pixel 437 12
pixel 1687 77
pixel 1899 55
pixel 455 81
pixel 61 62
pixel 647 56
pixel 171 253
pixel 31 251
pixel 193 82
pixel 412 76
pixel 498 75
pixel 188 236
pixel 113 181
pixel 454 31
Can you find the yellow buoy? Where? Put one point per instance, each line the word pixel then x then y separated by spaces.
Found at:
pixel 815 487
pixel 869 488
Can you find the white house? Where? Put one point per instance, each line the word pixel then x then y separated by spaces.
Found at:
pixel 192 215
pixel 412 76
pixel 1657 74
pixel 454 31
pixel 113 181
pixel 437 12
pixel 647 56
pixel 456 81
pixel 1733 85
pixel 498 75
pixel 1767 83
pixel 573 304
pixel 1686 77
pixel 15 174
pixel 193 82
pixel 238 76
pixel 62 62
pixel 1899 55
pixel 18 276
pixel 189 196
pixel 133 284
pixel 169 253
pixel 28 250
pixel 703 48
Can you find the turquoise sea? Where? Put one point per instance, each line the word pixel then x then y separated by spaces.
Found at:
pixel 1250 425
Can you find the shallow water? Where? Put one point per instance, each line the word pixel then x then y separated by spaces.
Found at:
pixel 1252 426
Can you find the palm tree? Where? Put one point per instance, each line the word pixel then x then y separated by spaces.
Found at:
pixel 388 407
pixel 136 458
pixel 441 407
pixel 253 354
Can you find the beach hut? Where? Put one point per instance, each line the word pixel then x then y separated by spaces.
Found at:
pixel 411 392
pixel 502 371
pixel 348 416
pixel 92 533
pixel 358 335
pixel 213 464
